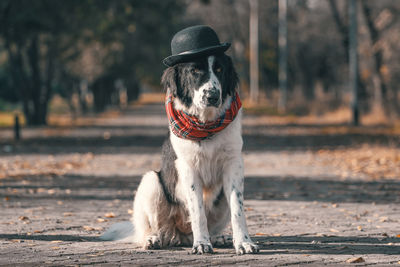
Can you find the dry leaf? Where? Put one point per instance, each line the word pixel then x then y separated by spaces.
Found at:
pixel 55 248
pixel 100 220
pixel 277 235
pixel 56 241
pixel 23 218
pixel 383 219
pixel 130 211
pixel 355 260
pixel 260 234
pixel 334 230
pixel 67 214
pixel 38 231
pixel 88 228
pixel 109 215
pixel 359 228
pixel 398 235
pixel 6 198
pixel 51 191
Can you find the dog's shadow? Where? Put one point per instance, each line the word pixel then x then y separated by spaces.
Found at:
pixel 345 245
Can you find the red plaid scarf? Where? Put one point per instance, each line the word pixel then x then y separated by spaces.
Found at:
pixel 189 127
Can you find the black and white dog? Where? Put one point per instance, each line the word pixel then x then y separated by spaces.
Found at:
pixel 200 185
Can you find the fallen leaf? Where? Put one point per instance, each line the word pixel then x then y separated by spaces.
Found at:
pixel 109 215
pixel 88 228
pixel 67 214
pixel 38 231
pixel 277 235
pixel 6 198
pixel 398 235
pixel 355 260
pixel 56 241
pixel 130 211
pixel 260 234
pixel 55 248
pixel 383 219
pixel 51 191
pixel 359 228
pixel 341 248
pixel 23 218
pixel 101 220
pixel 334 230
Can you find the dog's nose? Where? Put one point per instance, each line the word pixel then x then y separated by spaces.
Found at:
pixel 213 97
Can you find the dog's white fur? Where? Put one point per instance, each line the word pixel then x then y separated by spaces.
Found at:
pixel 204 168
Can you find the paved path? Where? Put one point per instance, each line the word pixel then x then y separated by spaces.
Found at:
pixel 60 188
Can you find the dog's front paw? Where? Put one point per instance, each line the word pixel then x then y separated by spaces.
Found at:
pixel 152 242
pixel 202 248
pixel 246 248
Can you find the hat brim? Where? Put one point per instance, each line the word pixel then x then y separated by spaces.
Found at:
pixel 188 56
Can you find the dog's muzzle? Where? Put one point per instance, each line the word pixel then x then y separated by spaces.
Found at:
pixel 212 97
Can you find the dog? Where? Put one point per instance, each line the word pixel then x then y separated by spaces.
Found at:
pixel 199 187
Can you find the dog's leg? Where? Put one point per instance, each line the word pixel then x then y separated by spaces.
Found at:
pixel 145 212
pixel 233 187
pixel 192 190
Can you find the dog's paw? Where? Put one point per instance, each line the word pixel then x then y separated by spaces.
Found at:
pixel 246 248
pixel 222 241
pixel 202 248
pixel 152 242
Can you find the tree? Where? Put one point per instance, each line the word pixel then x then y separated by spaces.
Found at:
pixel 47 41
pixel 40 37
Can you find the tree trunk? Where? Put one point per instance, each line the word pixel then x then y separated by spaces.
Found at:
pixel 382 95
pixel 37 88
pixel 343 29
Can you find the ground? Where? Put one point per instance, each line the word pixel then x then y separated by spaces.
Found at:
pixel 315 194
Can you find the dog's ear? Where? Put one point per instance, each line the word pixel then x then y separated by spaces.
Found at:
pixel 169 80
pixel 231 77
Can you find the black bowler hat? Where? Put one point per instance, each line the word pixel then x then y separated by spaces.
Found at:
pixel 193 42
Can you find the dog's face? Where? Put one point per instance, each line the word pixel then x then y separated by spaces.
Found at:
pixel 201 86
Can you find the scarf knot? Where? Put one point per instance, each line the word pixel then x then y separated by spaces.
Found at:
pixel 189 127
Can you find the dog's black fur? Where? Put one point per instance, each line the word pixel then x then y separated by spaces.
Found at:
pixel 183 78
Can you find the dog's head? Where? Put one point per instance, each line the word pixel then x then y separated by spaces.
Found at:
pixel 202 87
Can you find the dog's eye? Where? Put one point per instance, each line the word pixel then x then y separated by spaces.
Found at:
pixel 195 71
pixel 218 69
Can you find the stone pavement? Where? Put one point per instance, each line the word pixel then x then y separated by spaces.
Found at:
pixel 61 188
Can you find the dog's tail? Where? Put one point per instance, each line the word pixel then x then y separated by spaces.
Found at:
pixel 122 231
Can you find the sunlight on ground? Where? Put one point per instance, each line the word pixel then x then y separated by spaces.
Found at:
pixel 60 114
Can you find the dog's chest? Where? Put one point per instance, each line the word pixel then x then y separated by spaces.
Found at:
pixel 210 157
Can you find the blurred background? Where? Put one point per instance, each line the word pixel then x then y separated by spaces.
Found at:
pixel 83 57
pixel 82 118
